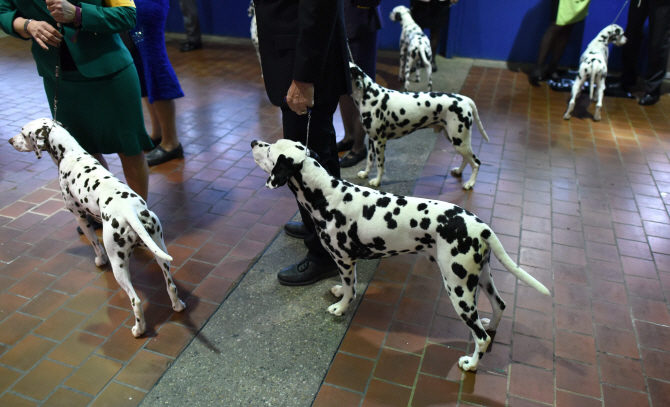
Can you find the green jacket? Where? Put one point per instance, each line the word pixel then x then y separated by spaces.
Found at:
pixel 98 50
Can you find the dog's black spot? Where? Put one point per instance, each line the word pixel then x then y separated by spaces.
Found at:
pixel 368 211
pixel 472 282
pixel 459 270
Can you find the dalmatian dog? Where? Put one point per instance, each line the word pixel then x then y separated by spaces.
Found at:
pixel 355 222
pixel 251 12
pixel 89 189
pixel 593 67
pixel 388 114
pixel 414 47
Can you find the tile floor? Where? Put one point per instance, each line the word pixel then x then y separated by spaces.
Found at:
pixel 581 205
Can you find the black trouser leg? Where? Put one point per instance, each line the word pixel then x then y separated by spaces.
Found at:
pixel 659 45
pixel 322 142
pixel 631 50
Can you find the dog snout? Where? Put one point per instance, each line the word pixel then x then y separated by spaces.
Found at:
pixel 11 141
pixel 254 143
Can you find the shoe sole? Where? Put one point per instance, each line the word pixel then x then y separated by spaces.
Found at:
pixel 295 235
pixel 310 282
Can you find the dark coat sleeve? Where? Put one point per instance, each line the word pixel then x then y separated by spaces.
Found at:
pixel 303 40
pixel 316 21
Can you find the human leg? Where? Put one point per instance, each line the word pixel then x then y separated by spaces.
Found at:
pixel 169 148
pixel 659 46
pixel 156 133
pixel 317 264
pixel 353 131
pixel 136 172
pixel 631 50
pixel 189 9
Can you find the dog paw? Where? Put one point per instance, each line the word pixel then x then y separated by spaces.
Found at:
pixel 456 171
pixel 179 306
pixel 465 362
pixel 137 331
pixel 362 174
pixel 337 309
pixel 596 118
pixel 375 182
pixel 469 185
pixel 337 291
pixel 566 117
pixel 101 261
pixel 485 323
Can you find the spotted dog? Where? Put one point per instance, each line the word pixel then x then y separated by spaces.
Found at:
pixel 414 47
pixel 89 189
pixel 388 114
pixel 355 222
pixel 251 12
pixel 593 67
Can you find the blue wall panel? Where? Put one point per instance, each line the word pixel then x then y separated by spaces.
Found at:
pixel 508 30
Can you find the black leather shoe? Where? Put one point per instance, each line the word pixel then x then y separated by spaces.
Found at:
pixel 156 143
pixel 96 225
pixel 618 90
pixel 159 156
pixel 190 46
pixel 352 158
pixel 306 272
pixel 535 77
pixel 296 229
pixel 343 146
pixel 649 100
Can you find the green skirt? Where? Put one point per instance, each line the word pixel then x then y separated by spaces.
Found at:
pixel 103 114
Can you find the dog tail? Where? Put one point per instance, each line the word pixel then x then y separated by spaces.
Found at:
pixel 137 226
pixel 500 253
pixel 475 114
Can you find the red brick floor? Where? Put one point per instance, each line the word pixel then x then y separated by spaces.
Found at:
pixel 581 205
pixel 64 323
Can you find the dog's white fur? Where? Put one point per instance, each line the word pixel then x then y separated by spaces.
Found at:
pixel 251 11
pixel 355 222
pixel 89 189
pixel 415 48
pixel 593 67
pixel 387 114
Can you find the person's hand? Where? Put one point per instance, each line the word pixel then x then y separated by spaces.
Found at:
pixel 61 10
pixel 453 2
pixel 44 33
pixel 300 96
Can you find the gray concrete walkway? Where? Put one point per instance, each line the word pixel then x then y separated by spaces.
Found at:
pixel 270 345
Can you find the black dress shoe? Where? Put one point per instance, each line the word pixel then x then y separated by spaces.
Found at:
pixel 352 158
pixel 296 229
pixel 344 145
pixel 159 156
pixel 649 100
pixel 156 143
pixel 190 46
pixel 618 90
pixel 535 77
pixel 306 272
pixel 96 225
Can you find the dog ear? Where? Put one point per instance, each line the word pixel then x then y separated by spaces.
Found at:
pixel 282 172
pixel 37 140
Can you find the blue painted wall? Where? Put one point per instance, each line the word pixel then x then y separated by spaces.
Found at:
pixel 508 30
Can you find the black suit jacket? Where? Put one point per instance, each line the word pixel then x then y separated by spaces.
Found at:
pixel 303 40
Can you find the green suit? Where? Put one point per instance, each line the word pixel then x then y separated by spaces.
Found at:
pixel 99 102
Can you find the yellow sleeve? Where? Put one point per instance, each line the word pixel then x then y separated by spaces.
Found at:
pixel 119 3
